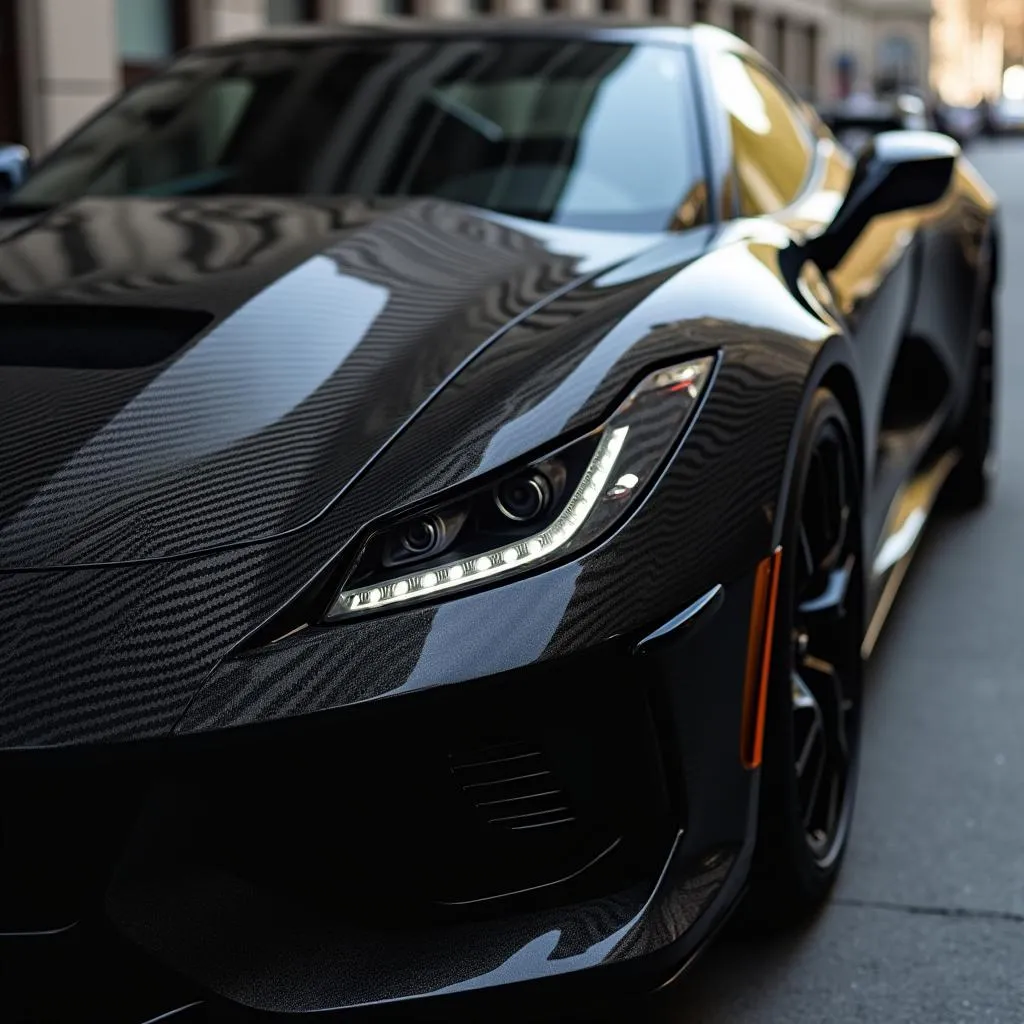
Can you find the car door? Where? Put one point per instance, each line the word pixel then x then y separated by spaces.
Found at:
pixel 785 166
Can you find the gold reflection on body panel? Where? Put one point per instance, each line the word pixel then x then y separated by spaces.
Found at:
pixel 693 210
pixel 879 249
pixel 772 148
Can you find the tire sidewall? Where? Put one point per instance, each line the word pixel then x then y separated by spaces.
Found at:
pixel 785 859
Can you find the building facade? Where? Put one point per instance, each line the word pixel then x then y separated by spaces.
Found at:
pixel 886 43
pixel 61 59
pixel 975 41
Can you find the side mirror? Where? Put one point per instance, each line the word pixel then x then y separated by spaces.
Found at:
pixel 897 171
pixel 14 165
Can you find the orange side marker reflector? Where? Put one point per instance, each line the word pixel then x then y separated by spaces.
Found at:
pixel 759 659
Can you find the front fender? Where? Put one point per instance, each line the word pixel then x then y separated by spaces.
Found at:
pixel 128 652
pixel 712 515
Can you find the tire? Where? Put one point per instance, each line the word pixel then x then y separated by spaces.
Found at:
pixel 971 483
pixel 814 696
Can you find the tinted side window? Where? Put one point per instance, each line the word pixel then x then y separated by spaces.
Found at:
pixel 772 147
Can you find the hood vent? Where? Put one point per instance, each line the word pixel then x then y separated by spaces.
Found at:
pixel 94 337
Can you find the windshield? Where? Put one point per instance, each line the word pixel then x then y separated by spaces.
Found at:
pixel 577 133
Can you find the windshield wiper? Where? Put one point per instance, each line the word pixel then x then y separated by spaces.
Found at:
pixel 490 130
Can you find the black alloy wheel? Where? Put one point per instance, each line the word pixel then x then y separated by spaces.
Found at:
pixel 812 732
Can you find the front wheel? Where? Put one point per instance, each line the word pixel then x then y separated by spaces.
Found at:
pixel 812 731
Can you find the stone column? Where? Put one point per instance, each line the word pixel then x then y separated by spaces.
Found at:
pixel 355 10
pixel 720 14
pixel 520 8
pixel 443 8
pixel 69 64
pixel 223 19
pixel 795 48
pixel 764 30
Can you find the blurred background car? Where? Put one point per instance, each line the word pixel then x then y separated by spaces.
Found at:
pixel 856 120
pixel 963 123
pixel 1008 116
pixel 860 117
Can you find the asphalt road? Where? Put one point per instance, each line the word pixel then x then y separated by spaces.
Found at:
pixel 927 923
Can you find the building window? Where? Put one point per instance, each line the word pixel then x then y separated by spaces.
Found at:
pixel 10 77
pixel 553 6
pixel 611 6
pixel 897 64
pixel 288 12
pixel 661 8
pixel 481 6
pixel 743 22
pixel 148 34
pixel 701 11
pixel 400 8
pixel 813 41
pixel 778 55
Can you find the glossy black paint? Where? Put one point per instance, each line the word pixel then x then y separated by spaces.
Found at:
pixel 263 418
pixel 910 294
pixel 211 839
pixel 898 171
pixel 171 531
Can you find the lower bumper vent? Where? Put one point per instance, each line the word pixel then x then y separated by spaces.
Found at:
pixel 512 786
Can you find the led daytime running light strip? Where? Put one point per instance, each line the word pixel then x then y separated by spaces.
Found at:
pixel 587 494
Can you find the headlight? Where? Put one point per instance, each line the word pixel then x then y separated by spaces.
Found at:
pixel 536 514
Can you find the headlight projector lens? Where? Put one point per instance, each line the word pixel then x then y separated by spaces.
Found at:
pixel 423 536
pixel 524 498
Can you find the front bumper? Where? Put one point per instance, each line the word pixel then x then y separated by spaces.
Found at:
pixel 573 819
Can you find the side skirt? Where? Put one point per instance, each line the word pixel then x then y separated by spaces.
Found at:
pixel 905 523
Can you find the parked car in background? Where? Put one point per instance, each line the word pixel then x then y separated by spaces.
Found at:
pixel 962 123
pixel 1008 116
pixel 856 120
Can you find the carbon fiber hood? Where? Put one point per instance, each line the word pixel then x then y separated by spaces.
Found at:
pixel 177 376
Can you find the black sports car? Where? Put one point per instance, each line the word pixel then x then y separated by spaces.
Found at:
pixel 451 479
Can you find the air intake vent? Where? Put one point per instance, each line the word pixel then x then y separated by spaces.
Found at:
pixel 94 337
pixel 511 786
